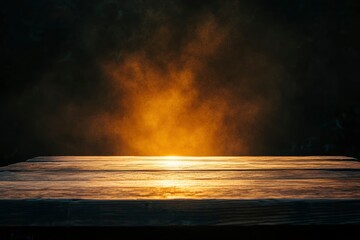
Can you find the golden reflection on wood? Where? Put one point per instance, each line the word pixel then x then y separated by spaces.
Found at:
pixel 319 181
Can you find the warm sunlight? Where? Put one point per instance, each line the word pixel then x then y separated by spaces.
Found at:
pixel 173 161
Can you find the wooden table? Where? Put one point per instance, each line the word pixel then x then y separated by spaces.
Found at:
pixel 180 191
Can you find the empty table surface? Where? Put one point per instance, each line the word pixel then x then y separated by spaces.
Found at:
pixel 191 191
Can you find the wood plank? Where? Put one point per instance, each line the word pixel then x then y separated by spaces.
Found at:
pixel 191 191
pixel 183 189
pixel 167 165
pixel 37 175
pixel 201 158
pixel 177 212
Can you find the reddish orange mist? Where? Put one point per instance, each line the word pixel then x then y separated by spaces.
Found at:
pixel 166 112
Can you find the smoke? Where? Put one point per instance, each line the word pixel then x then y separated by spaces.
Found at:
pixel 159 77
pixel 204 96
pixel 153 77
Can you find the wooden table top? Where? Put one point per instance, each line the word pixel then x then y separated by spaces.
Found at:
pixel 190 191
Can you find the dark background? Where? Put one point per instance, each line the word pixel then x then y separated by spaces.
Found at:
pixel 50 54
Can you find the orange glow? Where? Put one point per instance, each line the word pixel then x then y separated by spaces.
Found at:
pixel 166 110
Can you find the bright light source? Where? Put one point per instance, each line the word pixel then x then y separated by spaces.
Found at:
pixel 172 161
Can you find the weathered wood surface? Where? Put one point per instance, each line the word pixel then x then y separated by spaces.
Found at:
pixel 162 191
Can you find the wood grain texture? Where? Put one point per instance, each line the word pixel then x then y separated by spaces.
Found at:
pixel 205 158
pixel 164 191
pixel 182 189
pixel 193 164
pixel 177 212
pixel 118 175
